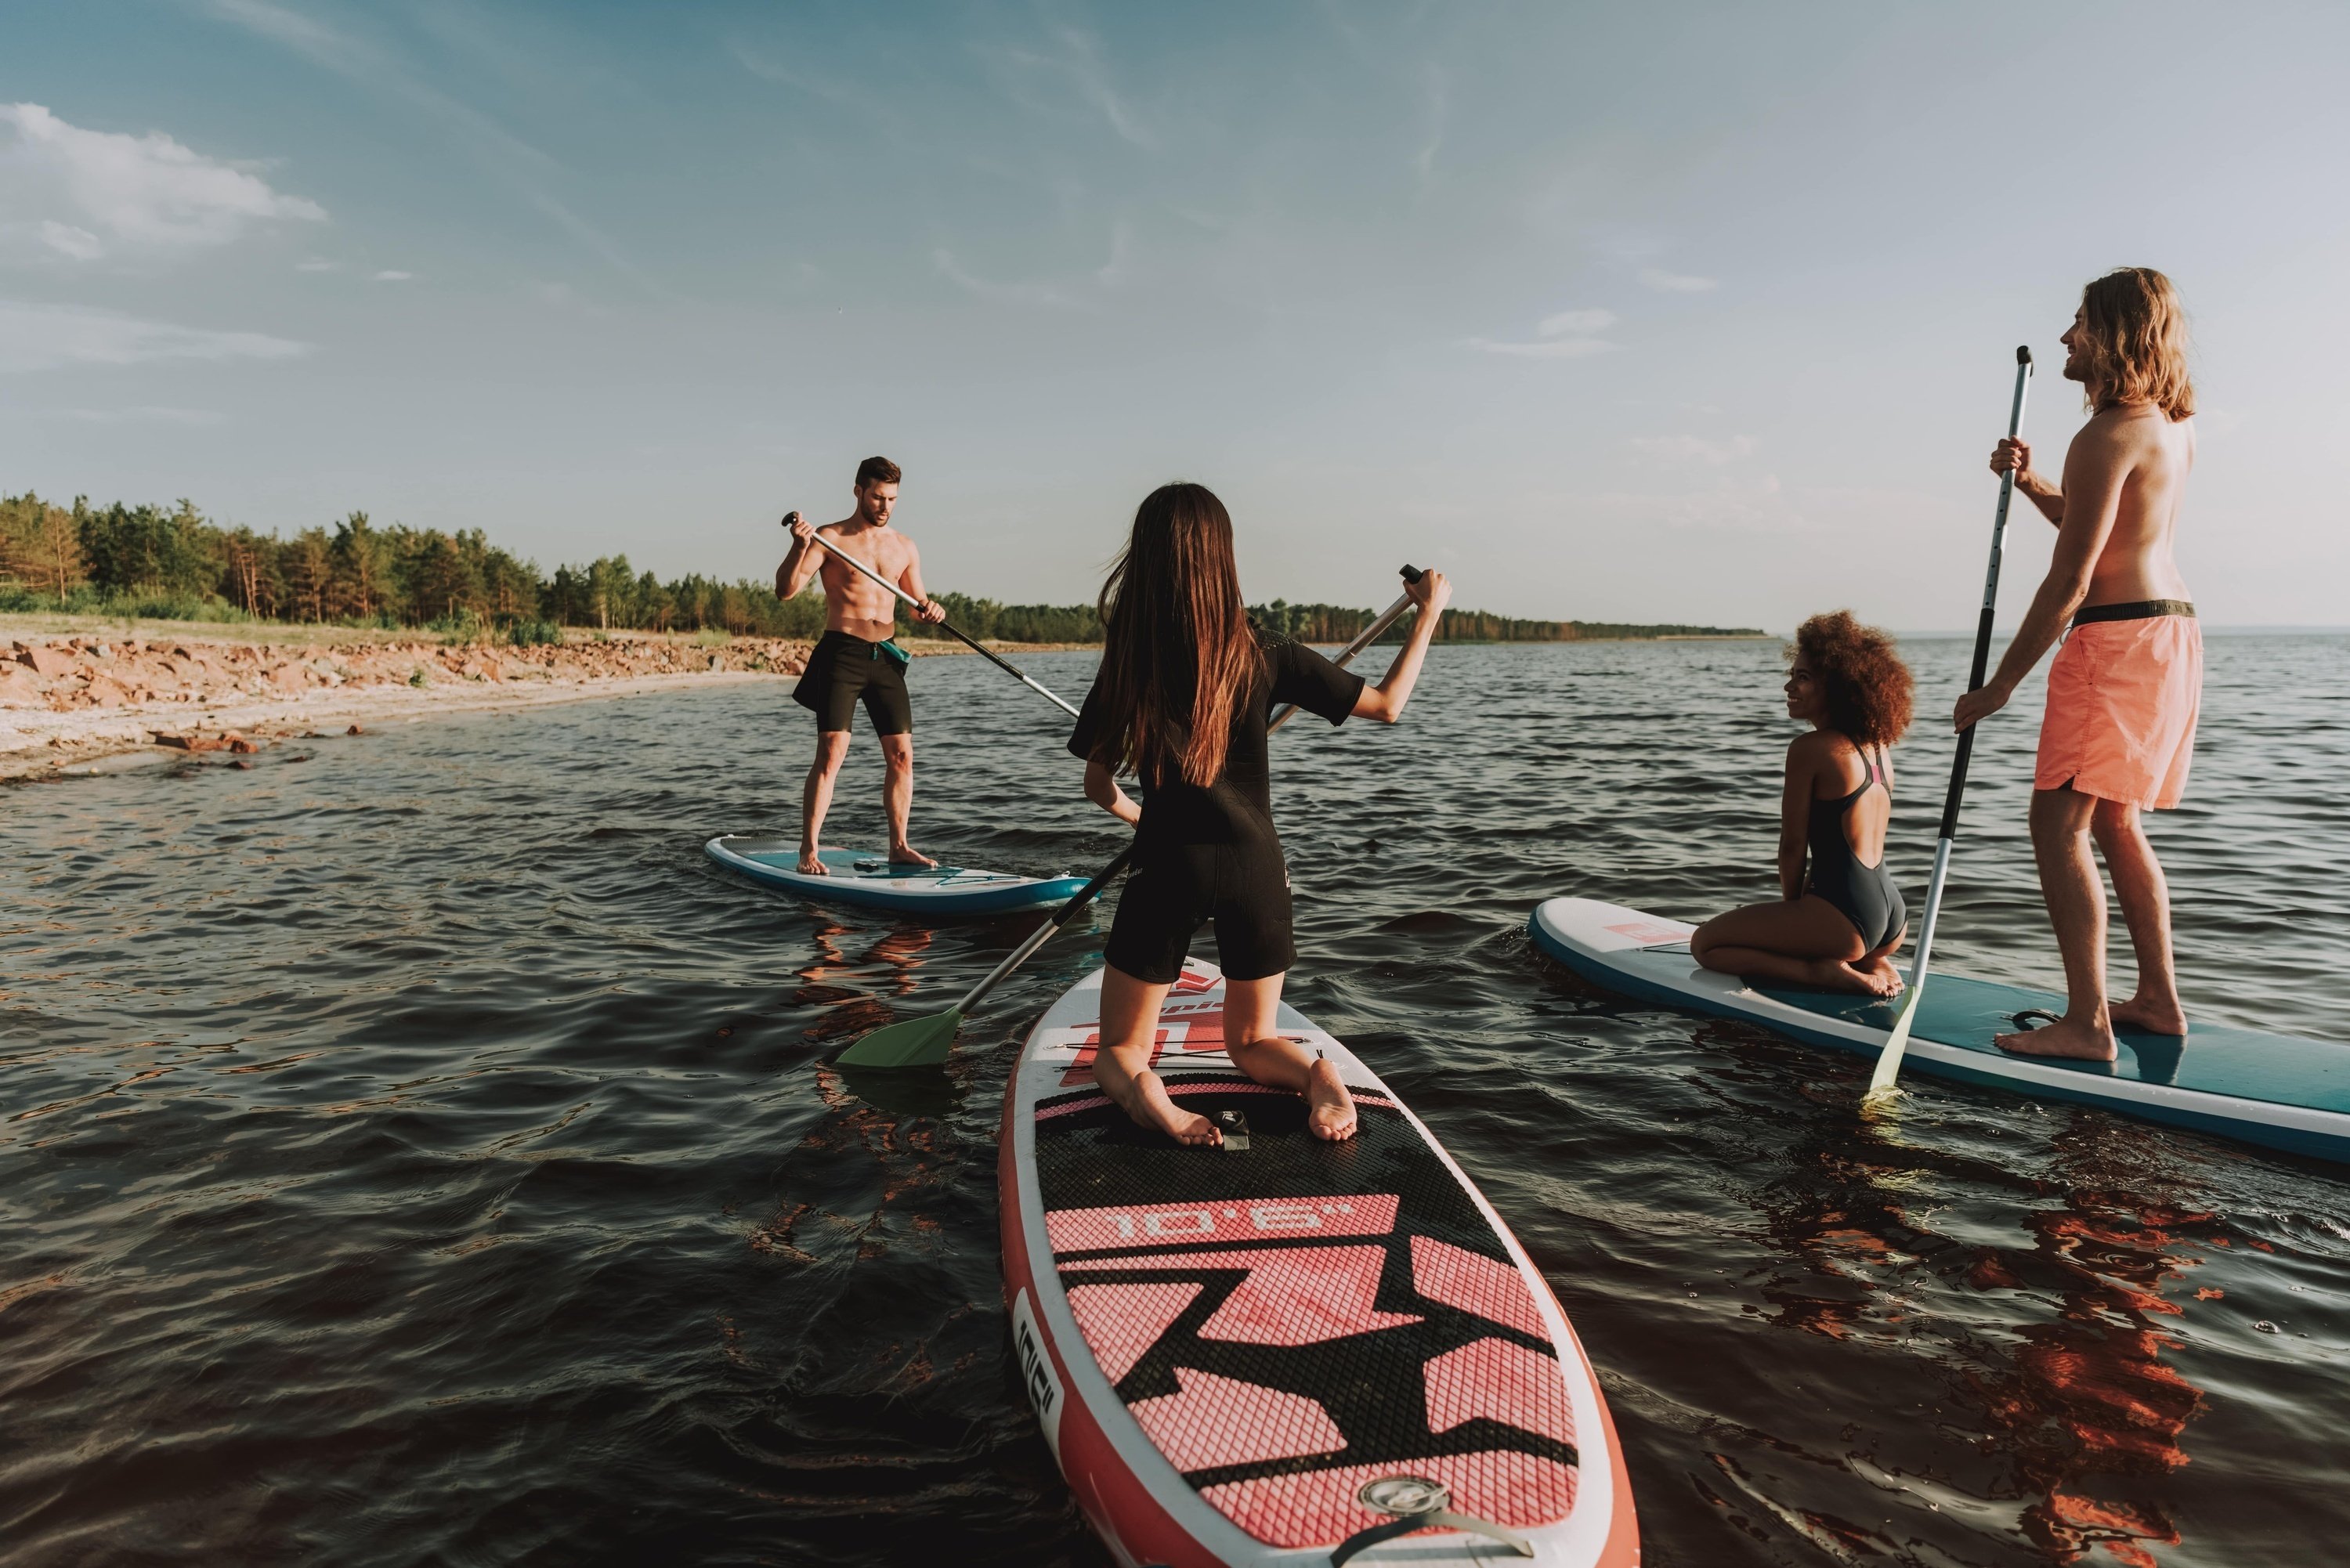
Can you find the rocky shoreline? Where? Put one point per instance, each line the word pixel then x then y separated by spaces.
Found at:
pixel 69 704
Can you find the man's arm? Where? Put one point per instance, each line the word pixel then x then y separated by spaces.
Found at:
pixel 911 579
pixel 2014 456
pixel 2093 472
pixel 802 561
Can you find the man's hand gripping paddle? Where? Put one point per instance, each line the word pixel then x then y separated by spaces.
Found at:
pixel 1888 1060
pixel 1004 664
pixel 927 1041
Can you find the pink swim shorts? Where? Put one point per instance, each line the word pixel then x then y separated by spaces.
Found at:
pixel 2122 702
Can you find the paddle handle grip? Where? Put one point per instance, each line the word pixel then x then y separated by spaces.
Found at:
pixel 1363 640
pixel 968 640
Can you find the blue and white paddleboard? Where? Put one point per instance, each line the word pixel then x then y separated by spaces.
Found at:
pixel 873 881
pixel 2279 1090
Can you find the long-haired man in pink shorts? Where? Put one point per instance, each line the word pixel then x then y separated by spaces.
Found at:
pixel 2122 693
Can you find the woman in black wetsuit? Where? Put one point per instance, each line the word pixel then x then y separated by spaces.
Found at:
pixel 1839 926
pixel 1186 688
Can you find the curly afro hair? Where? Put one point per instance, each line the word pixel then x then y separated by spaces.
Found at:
pixel 1866 685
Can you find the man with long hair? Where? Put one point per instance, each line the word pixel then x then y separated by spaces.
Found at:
pixel 2124 690
pixel 857 658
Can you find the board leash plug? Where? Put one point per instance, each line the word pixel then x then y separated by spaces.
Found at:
pixel 1417 1502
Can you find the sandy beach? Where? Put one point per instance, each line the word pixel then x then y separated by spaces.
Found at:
pixel 79 697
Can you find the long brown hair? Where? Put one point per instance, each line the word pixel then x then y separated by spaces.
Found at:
pixel 1179 658
pixel 2135 333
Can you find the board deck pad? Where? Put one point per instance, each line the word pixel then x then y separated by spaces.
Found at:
pixel 2279 1090
pixel 871 879
pixel 1281 1325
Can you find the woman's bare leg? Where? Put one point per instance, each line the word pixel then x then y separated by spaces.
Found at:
pixel 1252 1037
pixel 1802 941
pixel 1129 1022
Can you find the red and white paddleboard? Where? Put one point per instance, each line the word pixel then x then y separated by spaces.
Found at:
pixel 1286 1350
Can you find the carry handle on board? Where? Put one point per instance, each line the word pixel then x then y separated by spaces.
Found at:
pixel 973 643
pixel 1888 1060
pixel 926 1041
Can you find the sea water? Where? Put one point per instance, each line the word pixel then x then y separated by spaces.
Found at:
pixel 413 1151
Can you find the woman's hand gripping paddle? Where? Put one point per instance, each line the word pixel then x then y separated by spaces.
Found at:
pixel 1003 663
pixel 1888 1060
pixel 927 1041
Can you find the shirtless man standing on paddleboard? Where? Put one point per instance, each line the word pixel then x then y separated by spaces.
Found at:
pixel 856 659
pixel 2122 693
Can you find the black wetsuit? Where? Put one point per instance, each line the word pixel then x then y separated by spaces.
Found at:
pixel 843 668
pixel 1210 853
pixel 1863 894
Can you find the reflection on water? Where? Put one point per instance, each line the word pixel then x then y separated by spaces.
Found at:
pixel 424 1154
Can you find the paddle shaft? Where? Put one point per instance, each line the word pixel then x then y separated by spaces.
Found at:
pixel 1109 873
pixel 1888 1060
pixel 951 630
pixel 1363 640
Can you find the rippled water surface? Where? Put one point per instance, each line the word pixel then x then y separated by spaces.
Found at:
pixel 420 1153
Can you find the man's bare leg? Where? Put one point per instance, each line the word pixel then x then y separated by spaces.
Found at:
pixel 898 798
pixel 1129 1024
pixel 815 795
pixel 2077 907
pixel 1253 1041
pixel 2145 897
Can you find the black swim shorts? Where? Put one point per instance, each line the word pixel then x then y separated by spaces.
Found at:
pixel 843 668
pixel 1244 887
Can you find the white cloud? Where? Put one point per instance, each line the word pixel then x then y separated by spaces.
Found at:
pixel 1582 323
pixel 1689 448
pixel 389 276
pixel 1677 282
pixel 138 192
pixel 1548 349
pixel 1003 292
pixel 315 264
pixel 46 336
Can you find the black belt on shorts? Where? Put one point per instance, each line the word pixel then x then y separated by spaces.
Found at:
pixel 2137 609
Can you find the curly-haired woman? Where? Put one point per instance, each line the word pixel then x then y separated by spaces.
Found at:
pixel 1839 926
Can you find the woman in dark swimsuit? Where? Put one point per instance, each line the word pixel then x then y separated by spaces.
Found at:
pixel 1839 926
pixel 1185 692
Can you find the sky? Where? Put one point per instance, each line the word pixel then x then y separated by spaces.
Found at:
pixel 1676 313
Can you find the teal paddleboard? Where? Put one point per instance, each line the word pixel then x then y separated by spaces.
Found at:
pixel 873 881
pixel 2277 1090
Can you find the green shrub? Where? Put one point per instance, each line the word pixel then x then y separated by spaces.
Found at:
pixel 534 633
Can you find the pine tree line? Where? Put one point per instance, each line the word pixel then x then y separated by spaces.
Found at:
pixel 178 564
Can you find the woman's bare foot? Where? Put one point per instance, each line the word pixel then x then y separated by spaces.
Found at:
pixel 1883 978
pixel 810 865
pixel 1330 1110
pixel 2150 1016
pixel 1837 974
pixel 1149 1107
pixel 904 854
pixel 2067 1038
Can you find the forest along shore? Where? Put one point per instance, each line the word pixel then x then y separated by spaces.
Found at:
pixel 68 703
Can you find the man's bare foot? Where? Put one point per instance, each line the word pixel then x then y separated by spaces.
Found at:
pixel 2066 1037
pixel 2149 1017
pixel 810 865
pixel 907 855
pixel 1330 1110
pixel 1151 1108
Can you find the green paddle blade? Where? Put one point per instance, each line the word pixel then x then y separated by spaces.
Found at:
pixel 908 1043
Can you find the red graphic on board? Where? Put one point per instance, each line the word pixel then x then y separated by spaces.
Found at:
pixel 1121 1323
pixel 1502 1382
pixel 1219 1421
pixel 1293 1296
pixel 1463 1280
pixel 1237 1220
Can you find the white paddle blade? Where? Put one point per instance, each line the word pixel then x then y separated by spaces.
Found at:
pixel 1888 1060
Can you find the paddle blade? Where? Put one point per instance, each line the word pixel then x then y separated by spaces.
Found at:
pixel 908 1043
pixel 1888 1060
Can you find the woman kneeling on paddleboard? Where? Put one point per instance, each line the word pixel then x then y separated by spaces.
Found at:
pixel 1187 686
pixel 1840 927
